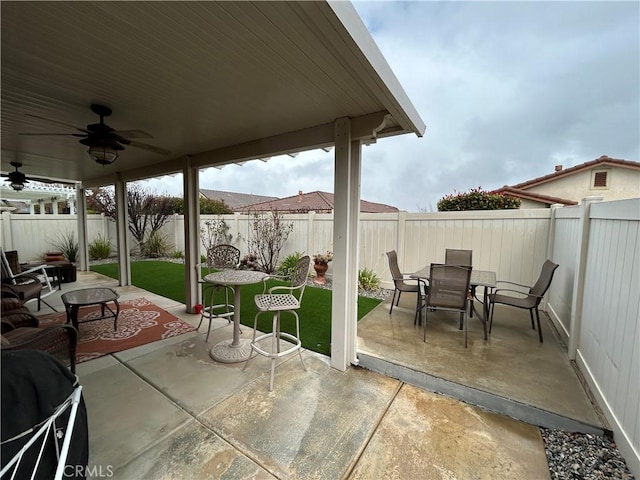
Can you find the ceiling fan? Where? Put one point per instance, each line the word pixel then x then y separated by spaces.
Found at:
pixel 17 180
pixel 103 141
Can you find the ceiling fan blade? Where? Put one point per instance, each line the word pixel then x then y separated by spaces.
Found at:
pixel 56 121
pixel 151 148
pixel 64 134
pixel 133 134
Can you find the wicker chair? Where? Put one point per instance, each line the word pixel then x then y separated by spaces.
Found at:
pixel 21 330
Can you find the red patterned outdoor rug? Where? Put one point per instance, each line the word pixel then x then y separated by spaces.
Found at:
pixel 139 322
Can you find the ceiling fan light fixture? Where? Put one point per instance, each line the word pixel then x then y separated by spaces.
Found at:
pixel 104 154
pixel 17 186
pixel 17 179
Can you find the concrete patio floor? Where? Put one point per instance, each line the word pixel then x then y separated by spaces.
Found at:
pixel 166 410
pixel 510 373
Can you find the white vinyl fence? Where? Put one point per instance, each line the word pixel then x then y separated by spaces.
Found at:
pixel 594 299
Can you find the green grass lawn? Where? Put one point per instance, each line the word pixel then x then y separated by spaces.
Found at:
pixel 167 279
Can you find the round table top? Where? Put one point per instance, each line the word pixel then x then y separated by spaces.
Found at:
pixel 235 277
pixel 89 296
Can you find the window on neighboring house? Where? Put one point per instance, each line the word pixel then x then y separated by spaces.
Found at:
pixel 600 179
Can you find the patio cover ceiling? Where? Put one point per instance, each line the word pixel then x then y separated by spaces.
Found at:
pixel 219 82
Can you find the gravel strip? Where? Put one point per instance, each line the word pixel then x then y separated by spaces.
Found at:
pixel 583 456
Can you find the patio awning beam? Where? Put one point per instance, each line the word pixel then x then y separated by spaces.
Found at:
pixel 365 128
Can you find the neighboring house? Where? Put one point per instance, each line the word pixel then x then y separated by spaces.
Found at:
pixel 235 201
pixel 609 178
pixel 319 202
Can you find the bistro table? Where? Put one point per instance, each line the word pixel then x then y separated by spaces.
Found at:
pixel 236 349
pixel 479 278
pixel 85 297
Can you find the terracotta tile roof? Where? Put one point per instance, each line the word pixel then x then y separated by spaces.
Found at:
pixel 235 201
pixel 536 197
pixel 598 162
pixel 320 202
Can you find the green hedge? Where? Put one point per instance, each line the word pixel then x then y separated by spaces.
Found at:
pixel 477 199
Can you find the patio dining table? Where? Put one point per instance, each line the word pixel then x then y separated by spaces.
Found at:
pixel 237 349
pixel 479 278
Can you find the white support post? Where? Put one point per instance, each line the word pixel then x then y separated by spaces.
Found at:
pixel 32 207
pixel 42 209
pixel 71 203
pixel 54 207
pixel 354 250
pixel 578 281
pixel 7 235
pixel 310 219
pixel 341 290
pixel 83 241
pixel 122 220
pixel 191 180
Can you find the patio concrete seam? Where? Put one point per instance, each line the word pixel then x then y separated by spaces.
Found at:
pixel 191 417
pixel 366 443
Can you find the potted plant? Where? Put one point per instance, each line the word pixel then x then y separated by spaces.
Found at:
pixel 320 265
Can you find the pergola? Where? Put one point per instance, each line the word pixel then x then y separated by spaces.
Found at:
pixel 214 83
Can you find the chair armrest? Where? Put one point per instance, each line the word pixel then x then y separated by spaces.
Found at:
pixel 28 275
pixel 20 319
pixel 270 277
pixel 524 294
pixel 10 303
pixel 512 283
pixel 282 287
pixel 31 270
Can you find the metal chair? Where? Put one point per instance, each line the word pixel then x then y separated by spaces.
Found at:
pixel 219 257
pixel 529 299
pixel 400 285
pixel 454 256
pixel 271 301
pixel 25 285
pixel 448 291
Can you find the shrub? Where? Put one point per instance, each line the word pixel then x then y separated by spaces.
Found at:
pixel 67 244
pixel 267 235
pixel 477 199
pixel 99 248
pixel 177 254
pixel 155 246
pixel 368 280
pixel 250 262
pixel 288 264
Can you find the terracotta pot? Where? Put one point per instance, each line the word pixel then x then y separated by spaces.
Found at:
pixel 53 257
pixel 321 269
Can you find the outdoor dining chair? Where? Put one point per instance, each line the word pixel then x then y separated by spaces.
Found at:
pixel 448 291
pixel 402 283
pixel 219 257
pixel 458 257
pixel 516 296
pixel 272 300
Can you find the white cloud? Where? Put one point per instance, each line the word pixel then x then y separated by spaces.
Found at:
pixel 506 89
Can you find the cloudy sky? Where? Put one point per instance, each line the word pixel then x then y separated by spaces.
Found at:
pixel 507 90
